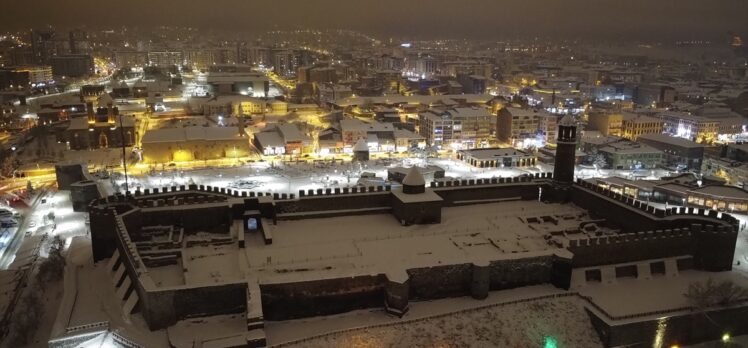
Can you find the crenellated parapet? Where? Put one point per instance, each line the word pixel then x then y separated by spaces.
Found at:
pixel 712 246
pixel 630 238
pixel 526 178
pixel 651 210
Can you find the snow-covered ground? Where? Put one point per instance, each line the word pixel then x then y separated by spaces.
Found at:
pixel 378 243
pixel 292 177
pixel 95 299
pixel 559 322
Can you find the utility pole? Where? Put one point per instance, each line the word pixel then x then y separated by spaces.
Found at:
pixel 124 154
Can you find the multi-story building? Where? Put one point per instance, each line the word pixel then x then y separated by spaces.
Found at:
pixel 426 66
pixel 547 128
pixel 72 65
pixel 285 62
pixel 279 139
pixel 165 58
pixel 630 155
pixel 78 41
pixel 247 83
pixel 678 153
pixel 634 125
pixel 608 124
pixel 460 128
pixel 654 94
pixel 378 136
pixel 474 84
pixel 259 56
pixel 234 105
pixel 25 76
pixel 331 92
pixel 131 58
pixel 518 125
pixel 692 127
pixel 323 75
pixel 738 152
pixel 733 172
pixel 199 59
pixel 43 45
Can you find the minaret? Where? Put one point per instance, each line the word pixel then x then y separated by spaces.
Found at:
pixel 105 100
pixel 90 112
pixel 240 126
pixel 566 147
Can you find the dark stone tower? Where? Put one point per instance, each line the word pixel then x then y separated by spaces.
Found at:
pixel 563 169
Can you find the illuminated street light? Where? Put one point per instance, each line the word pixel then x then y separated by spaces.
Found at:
pixel 550 342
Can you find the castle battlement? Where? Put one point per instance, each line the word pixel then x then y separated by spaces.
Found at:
pixel 659 212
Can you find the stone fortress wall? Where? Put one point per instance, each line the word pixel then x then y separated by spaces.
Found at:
pixel 647 233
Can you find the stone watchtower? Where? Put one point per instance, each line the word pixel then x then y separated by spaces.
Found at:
pixel 414 203
pixel 361 151
pixel 563 168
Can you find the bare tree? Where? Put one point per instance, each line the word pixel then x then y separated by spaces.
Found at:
pixel 704 295
pixel 26 317
pixel 51 269
pixel 711 293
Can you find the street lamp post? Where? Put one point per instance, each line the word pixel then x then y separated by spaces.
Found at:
pixel 124 154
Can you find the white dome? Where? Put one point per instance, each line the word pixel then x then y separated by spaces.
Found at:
pixel 414 177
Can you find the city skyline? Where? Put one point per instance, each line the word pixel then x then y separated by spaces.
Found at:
pixel 411 174
pixel 475 19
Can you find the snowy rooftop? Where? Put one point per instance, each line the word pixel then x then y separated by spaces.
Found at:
pixel 628 295
pixel 353 125
pixel 493 153
pixel 169 135
pixel 79 123
pixel 671 140
pixel 370 244
pixel 723 191
pixel 414 99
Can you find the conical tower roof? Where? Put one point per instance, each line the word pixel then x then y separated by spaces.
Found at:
pixel 414 177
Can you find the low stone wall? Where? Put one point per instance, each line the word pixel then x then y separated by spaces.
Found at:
pixel 680 327
pixel 508 274
pixel 164 307
pixel 197 218
pixel 440 281
pixel 321 297
pixel 285 301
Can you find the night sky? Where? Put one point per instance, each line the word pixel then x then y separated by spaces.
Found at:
pixel 614 19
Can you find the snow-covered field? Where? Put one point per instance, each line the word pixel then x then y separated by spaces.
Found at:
pixel 292 177
pixel 549 323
